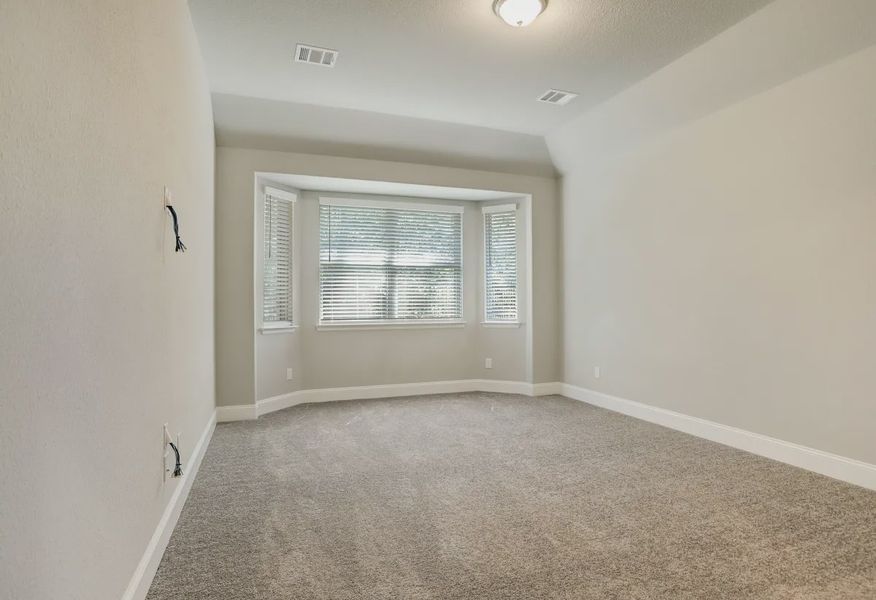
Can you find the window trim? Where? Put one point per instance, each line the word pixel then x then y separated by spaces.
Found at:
pixel 500 208
pixel 275 327
pixel 390 204
pixel 376 324
pixel 279 327
pixel 385 324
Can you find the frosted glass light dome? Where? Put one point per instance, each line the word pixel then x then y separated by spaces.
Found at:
pixel 519 13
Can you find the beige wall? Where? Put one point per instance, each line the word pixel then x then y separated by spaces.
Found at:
pixel 353 357
pixel 105 334
pixel 725 268
pixel 356 357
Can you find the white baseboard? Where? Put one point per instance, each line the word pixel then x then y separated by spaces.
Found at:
pixel 363 392
pixel 394 390
pixel 825 463
pixel 145 571
pixel 241 412
pixel 547 389
pixel 515 387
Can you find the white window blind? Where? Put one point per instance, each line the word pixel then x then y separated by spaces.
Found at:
pixel 278 221
pixel 500 263
pixel 389 262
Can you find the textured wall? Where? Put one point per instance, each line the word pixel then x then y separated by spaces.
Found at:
pixel 723 267
pixel 236 376
pixel 105 334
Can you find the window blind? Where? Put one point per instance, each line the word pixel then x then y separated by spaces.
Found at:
pixel 387 262
pixel 500 264
pixel 277 258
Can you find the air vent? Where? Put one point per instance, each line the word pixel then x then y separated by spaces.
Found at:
pixel 316 56
pixel 557 97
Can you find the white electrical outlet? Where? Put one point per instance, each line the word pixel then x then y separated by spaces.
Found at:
pixel 488 363
pixel 596 372
pixel 289 374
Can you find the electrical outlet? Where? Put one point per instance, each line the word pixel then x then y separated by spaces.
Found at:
pixel 289 374
pixel 596 372
pixel 488 363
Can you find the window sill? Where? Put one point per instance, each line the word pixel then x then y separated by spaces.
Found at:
pixel 272 329
pixel 375 325
pixel 502 324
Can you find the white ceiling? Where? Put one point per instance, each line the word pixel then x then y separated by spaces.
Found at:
pixel 451 60
pixel 777 44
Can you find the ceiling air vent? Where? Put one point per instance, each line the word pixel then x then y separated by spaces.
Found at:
pixel 557 97
pixel 315 56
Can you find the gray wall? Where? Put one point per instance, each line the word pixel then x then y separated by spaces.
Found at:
pixel 357 355
pixel 724 267
pixel 105 333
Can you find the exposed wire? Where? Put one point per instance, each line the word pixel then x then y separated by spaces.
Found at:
pixel 180 247
pixel 177 470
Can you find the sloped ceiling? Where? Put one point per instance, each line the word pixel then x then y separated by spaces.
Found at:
pixel 437 61
pixel 784 40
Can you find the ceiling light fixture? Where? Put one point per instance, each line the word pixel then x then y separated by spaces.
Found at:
pixel 519 13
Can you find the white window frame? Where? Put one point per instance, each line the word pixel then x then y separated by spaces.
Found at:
pixel 275 326
pixel 498 208
pixel 370 325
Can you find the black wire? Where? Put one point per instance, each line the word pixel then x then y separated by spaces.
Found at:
pixel 177 470
pixel 180 247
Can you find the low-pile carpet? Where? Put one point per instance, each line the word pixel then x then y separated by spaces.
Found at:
pixel 487 496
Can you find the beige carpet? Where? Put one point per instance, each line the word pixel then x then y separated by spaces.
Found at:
pixel 488 496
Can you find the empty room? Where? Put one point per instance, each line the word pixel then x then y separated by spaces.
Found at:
pixel 437 300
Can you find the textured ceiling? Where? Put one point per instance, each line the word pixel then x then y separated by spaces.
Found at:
pixel 781 42
pixel 451 60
